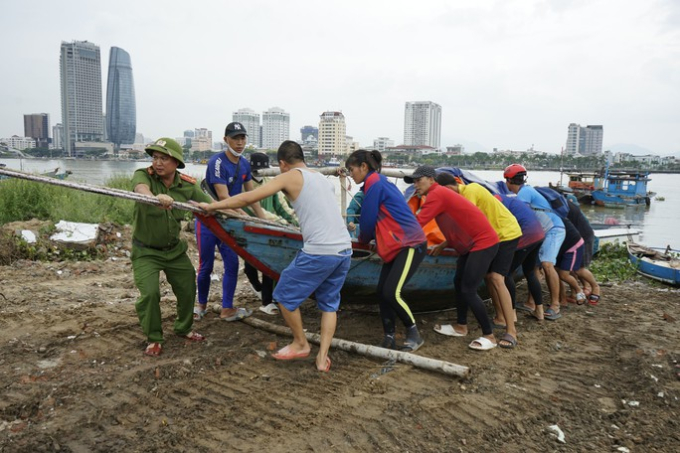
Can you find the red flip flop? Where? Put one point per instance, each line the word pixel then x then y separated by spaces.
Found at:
pixel 153 349
pixel 286 353
pixel 327 368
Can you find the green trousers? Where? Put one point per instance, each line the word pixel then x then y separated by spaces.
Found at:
pixel 146 265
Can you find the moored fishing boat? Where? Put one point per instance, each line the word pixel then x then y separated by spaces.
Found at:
pixel 621 188
pixel 662 264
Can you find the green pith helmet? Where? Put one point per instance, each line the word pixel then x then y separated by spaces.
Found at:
pixel 167 146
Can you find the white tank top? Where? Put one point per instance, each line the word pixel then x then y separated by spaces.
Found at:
pixel 323 229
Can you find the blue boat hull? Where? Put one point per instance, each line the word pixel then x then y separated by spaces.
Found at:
pixel 271 249
pixel 649 264
pixel 602 198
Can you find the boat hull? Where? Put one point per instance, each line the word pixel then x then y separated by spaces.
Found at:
pixel 602 198
pixel 271 249
pixel 650 262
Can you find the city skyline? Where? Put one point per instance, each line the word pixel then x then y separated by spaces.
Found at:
pixel 507 74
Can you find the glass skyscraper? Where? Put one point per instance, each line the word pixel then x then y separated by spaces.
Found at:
pixel 121 113
pixel 81 94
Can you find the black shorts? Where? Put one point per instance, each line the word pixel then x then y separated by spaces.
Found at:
pixel 503 260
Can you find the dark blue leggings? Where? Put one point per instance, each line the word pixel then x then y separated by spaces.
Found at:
pixel 470 271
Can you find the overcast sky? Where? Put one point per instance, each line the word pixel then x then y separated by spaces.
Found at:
pixel 508 74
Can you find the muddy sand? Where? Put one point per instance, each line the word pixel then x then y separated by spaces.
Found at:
pixel 74 378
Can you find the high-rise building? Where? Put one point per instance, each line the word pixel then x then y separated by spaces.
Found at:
pixel 306 131
pixel 58 136
pixel 121 112
pixel 37 126
pixel 422 124
pixel 332 130
pixel 275 127
pixel 251 121
pixel 81 94
pixel 584 141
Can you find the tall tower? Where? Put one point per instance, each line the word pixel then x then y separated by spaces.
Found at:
pixel 251 121
pixel 37 126
pixel 121 111
pixel 332 131
pixel 81 93
pixel 275 127
pixel 422 124
pixel 584 141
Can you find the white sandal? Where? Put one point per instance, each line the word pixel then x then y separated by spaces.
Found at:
pixel 448 330
pixel 484 344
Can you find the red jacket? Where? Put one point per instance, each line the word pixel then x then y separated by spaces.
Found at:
pixel 465 227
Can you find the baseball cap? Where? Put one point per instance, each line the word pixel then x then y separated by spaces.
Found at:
pixel 259 160
pixel 234 129
pixel 422 171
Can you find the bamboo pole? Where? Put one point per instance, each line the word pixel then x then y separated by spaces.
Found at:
pixel 335 171
pixel 426 363
pixel 140 198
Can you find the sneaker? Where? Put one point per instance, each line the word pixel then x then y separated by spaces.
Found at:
pixel 388 342
pixel 413 340
pixel 256 292
pixel 270 309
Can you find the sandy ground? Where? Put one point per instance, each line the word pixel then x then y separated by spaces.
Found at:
pixel 74 378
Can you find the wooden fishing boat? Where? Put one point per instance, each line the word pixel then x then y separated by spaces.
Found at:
pixel 623 188
pixel 662 264
pixel 270 248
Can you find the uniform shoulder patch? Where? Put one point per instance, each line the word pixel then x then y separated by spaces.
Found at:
pixel 187 178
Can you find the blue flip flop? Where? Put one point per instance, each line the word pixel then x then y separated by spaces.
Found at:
pixel 550 315
pixel 522 307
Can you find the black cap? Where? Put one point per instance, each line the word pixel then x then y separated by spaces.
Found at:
pixel 259 160
pixel 423 170
pixel 234 129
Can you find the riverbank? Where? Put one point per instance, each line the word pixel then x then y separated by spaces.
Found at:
pixel 75 378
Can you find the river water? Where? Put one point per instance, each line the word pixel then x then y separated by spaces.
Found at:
pixel 658 222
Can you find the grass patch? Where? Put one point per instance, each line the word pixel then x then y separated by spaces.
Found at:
pixel 22 200
pixel 611 264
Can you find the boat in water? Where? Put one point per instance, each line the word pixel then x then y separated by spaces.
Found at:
pixel 621 188
pixel 662 264
pixel 608 188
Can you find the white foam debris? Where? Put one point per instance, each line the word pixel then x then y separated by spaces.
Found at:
pixel 560 433
pixel 28 236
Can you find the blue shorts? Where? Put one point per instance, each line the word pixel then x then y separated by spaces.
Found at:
pixel 551 245
pixel 323 275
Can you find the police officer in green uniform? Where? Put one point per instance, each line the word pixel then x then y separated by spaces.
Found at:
pixel 156 245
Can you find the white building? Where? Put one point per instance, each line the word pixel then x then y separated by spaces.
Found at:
pixel 251 121
pixel 584 141
pixel 422 124
pixel 275 127
pixel 332 133
pixel 58 136
pixel 381 143
pixel 19 143
pixel 81 94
